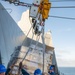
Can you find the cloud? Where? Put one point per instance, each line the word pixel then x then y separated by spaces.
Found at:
pixel 65 63
pixel 24 22
pixel 65 57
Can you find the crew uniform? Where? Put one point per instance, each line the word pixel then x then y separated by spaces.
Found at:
pixel 4 71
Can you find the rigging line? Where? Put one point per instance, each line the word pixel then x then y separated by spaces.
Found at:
pixel 64 7
pixel 22 4
pixel 63 1
pixel 27 34
pixel 62 17
pixel 37 41
pixel 28 49
pixel 43 41
pixel 30 43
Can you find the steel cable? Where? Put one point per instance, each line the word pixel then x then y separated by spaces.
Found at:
pixel 62 17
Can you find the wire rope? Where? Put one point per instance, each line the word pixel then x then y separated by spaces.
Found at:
pixel 62 17
pixel 62 0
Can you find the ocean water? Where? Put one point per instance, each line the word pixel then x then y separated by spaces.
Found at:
pixel 67 70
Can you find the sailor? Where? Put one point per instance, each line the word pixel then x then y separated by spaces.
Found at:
pixel 2 69
pixel 37 72
pixel 24 72
pixel 21 68
pixel 52 70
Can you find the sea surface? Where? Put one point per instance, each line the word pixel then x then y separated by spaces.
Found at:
pixel 67 70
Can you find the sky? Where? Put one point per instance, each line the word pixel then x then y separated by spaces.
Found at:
pixel 63 30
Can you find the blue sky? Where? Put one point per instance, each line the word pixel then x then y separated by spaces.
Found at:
pixel 63 30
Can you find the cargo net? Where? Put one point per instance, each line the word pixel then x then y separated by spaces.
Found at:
pixel 33 60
